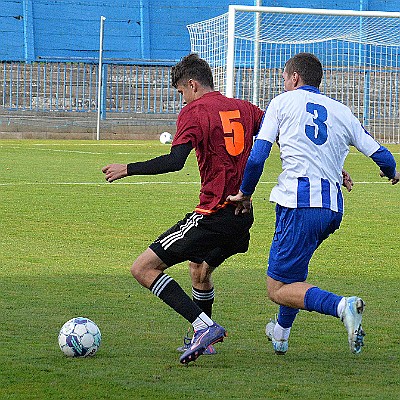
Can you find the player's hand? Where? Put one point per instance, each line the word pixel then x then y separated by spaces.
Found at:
pixel 243 203
pixel 115 171
pixel 394 180
pixel 347 181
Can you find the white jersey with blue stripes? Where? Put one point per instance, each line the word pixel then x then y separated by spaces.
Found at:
pixel 314 134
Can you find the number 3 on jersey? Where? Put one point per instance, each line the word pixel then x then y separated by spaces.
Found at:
pixel 234 143
pixel 318 134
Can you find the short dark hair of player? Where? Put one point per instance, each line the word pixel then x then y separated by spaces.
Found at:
pixel 308 66
pixel 192 67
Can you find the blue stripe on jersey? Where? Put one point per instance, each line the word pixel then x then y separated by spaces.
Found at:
pixel 339 198
pixel 325 193
pixel 303 192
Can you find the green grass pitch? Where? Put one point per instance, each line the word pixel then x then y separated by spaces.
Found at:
pixel 68 239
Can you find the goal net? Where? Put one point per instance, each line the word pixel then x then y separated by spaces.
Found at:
pixel 360 50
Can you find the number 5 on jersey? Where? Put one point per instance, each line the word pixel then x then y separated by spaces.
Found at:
pixel 233 132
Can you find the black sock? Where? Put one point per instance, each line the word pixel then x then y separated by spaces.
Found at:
pixel 204 299
pixel 169 291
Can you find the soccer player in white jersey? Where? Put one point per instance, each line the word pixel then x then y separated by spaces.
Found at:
pixel 314 134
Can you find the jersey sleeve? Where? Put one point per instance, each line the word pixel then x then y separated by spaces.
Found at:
pixel 174 161
pixel 384 159
pixel 365 143
pixel 188 128
pixel 362 140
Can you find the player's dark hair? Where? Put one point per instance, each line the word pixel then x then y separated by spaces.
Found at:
pixel 192 67
pixel 308 66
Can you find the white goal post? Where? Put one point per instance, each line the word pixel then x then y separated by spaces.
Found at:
pixel 360 50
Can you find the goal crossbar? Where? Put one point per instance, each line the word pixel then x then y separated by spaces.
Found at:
pixel 230 56
pixel 314 11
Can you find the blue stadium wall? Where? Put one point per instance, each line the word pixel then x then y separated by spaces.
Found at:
pixel 143 31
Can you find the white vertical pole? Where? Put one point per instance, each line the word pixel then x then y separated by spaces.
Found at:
pixel 256 79
pixel 100 81
pixel 230 53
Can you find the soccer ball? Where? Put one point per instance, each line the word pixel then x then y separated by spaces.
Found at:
pixel 165 138
pixel 79 337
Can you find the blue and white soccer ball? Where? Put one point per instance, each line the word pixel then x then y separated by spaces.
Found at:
pixel 165 138
pixel 79 337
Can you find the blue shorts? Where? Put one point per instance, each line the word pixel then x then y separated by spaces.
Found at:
pixel 298 233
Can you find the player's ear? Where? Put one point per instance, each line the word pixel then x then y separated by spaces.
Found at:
pixel 295 79
pixel 193 85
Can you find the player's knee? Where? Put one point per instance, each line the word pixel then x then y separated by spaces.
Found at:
pixel 146 268
pixel 195 269
pixel 140 274
pixel 141 266
pixel 272 295
pixel 135 271
pixel 200 273
pixel 272 291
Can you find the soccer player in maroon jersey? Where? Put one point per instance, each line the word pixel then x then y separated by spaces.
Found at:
pixel 221 131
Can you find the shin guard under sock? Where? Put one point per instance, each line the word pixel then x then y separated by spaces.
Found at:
pixel 169 291
pixel 321 301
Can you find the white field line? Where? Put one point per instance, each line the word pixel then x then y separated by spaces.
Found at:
pixel 52 150
pixel 74 151
pixel 80 151
pixel 119 183
pixel 38 145
pixel 361 154
pixel 41 146
pixel 66 151
pixel 143 183
pixel 99 144
pixel 155 144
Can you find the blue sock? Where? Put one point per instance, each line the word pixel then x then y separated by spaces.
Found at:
pixel 321 301
pixel 287 316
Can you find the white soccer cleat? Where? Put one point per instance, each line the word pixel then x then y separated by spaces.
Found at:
pixel 280 346
pixel 352 318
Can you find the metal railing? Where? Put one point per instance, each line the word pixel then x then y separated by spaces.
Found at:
pixel 73 86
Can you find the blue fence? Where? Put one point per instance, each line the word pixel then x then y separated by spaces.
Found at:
pixel 73 86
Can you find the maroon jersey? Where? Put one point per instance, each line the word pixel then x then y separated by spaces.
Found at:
pixel 221 129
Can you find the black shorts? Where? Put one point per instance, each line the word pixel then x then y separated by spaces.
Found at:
pixel 210 238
